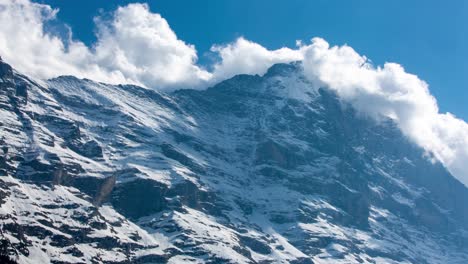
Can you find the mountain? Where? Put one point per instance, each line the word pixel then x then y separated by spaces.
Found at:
pixel 257 169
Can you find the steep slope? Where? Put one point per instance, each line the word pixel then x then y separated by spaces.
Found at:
pixel 257 169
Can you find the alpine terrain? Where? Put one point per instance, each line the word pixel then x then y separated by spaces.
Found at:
pixel 256 169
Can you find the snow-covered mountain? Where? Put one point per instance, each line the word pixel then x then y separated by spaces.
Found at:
pixel 257 169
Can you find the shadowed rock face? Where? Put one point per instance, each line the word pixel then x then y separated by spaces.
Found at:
pixel 257 169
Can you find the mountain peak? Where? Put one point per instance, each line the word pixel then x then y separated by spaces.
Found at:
pixel 284 69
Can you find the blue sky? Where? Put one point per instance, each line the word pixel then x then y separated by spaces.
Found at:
pixel 429 38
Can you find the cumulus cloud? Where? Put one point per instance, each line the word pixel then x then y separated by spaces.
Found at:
pixel 135 46
pixel 25 44
pixel 138 46
pixel 141 45
pixel 246 57
pixel 389 91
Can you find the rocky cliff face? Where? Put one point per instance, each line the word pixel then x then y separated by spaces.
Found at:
pixel 257 169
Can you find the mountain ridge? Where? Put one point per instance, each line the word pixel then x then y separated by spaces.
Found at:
pixel 257 169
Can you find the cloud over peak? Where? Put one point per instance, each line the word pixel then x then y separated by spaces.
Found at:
pixel 246 57
pixel 389 91
pixel 138 46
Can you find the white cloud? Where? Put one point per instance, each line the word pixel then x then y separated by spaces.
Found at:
pixel 391 92
pixel 24 44
pixel 246 57
pixel 138 46
pixel 141 45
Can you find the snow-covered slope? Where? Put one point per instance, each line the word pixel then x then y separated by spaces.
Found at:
pixel 257 169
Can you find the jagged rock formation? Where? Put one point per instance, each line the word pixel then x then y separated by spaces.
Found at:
pixel 257 169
